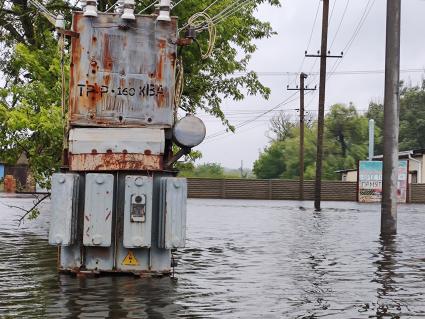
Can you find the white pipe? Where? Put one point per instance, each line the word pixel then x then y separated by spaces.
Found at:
pixel 419 167
pixel 164 10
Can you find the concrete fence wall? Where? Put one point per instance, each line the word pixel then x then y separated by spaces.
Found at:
pixel 281 189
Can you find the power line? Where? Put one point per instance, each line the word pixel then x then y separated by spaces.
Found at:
pixel 149 6
pixel 345 72
pixel 357 30
pixel 286 101
pixel 308 42
pixel 340 24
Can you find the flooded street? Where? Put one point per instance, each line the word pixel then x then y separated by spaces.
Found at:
pixel 244 259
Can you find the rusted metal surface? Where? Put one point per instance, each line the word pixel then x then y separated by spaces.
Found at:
pixel 9 184
pixel 122 73
pixel 115 162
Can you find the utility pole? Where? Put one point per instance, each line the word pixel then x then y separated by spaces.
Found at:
pixel 371 139
pixel 391 120
pixel 302 88
pixel 323 54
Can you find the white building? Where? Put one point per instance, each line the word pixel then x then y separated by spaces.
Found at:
pixel 416 164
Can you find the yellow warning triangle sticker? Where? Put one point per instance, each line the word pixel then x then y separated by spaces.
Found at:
pixel 130 260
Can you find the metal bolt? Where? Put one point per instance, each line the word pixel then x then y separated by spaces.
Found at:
pixel 58 239
pixel 100 180
pixel 176 184
pixel 139 181
pixel 138 241
pixel 61 180
pixel 97 240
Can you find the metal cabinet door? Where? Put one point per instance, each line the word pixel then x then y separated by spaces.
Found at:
pixel 98 207
pixel 172 212
pixel 64 208
pixel 138 211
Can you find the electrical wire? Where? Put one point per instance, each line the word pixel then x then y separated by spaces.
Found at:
pixel 340 24
pixel 179 86
pixel 286 101
pixel 43 10
pixel 175 5
pixel 214 2
pixel 357 30
pixel 308 43
pixel 346 72
pixel 198 19
pixel 149 6
pixel 219 18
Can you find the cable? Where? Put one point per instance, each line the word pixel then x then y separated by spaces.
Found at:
pixel 308 43
pixel 350 42
pixel 149 6
pixel 43 10
pixel 286 101
pixel 175 5
pixel 179 83
pixel 347 72
pixel 210 6
pixel 219 19
pixel 198 19
pixel 340 24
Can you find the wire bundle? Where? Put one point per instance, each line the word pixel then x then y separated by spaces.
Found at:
pixel 198 20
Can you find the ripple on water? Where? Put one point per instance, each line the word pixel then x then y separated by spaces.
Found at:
pixel 244 259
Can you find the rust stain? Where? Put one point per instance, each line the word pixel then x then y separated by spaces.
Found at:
pixel 115 162
pixel 107 59
pixel 161 98
pixel 160 68
pixel 162 44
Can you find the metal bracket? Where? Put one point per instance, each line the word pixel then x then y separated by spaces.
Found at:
pixel 177 156
pixel 68 33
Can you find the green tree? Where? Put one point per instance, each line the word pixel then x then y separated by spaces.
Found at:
pixel 30 105
pixel 412 118
pixel 271 163
pixel 209 170
pixel 345 143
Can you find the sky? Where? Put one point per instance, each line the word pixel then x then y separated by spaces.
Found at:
pixel 284 53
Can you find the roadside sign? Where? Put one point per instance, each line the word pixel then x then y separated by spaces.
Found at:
pixel 370 181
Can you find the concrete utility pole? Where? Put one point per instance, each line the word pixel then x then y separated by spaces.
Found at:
pixel 391 120
pixel 302 90
pixel 371 139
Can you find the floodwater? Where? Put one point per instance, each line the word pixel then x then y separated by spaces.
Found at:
pixel 244 259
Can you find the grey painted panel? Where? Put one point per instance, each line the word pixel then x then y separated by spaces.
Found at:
pixel 99 258
pixel 172 212
pixel 132 140
pixel 98 210
pixel 62 229
pixel 138 211
pixel 70 257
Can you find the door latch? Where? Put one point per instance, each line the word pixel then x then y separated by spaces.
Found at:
pixel 138 209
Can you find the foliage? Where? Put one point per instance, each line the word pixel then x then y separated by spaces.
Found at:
pixel 412 118
pixel 30 112
pixel 30 104
pixel 345 143
pixel 281 126
pixel 209 170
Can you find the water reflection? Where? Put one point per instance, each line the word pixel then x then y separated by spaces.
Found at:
pixel 386 276
pixel 114 297
pixel 242 260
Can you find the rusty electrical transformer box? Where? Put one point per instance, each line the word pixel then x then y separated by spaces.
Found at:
pixel 122 74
